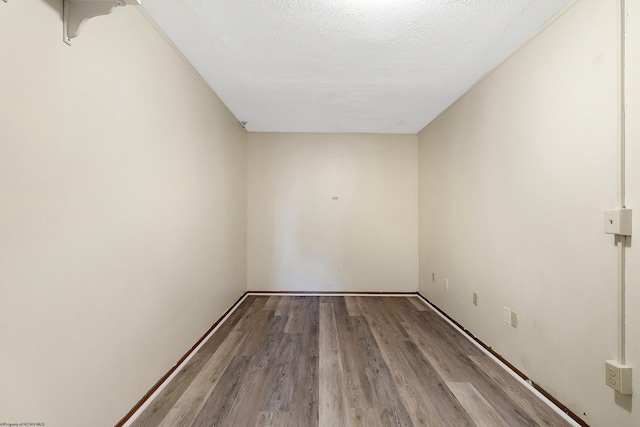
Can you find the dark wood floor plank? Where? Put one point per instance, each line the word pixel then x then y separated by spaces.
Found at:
pixel 283 306
pixel 296 315
pixel 327 299
pixel 442 345
pixel 265 328
pixel 357 387
pixel 386 396
pixel 342 361
pixel 246 406
pixel 283 374
pixel 448 407
pixel 275 419
pixel 202 386
pixel 186 409
pixel 480 410
pixel 161 405
pixel 272 345
pixel 538 411
pixel 272 302
pixel 352 306
pixel 216 408
pixel 365 417
pixel 332 402
pixel 418 304
pixel 414 395
pixel 264 351
pixel 304 403
pixel 384 310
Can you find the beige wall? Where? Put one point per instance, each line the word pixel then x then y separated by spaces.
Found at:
pixel 300 239
pixel 123 227
pixel 123 213
pixel 633 201
pixel 514 179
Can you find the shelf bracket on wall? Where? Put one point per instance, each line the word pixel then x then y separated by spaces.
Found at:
pixel 77 12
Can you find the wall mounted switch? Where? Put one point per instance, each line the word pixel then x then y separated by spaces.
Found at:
pixel 617 221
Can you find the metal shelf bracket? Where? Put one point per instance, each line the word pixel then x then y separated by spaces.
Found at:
pixel 77 12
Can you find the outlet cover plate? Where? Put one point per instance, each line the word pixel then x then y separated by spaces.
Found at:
pixel 618 376
pixel 515 320
pixel 506 315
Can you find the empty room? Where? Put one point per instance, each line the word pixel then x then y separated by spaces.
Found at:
pixel 319 213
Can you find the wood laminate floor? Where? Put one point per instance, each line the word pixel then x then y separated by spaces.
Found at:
pixel 342 361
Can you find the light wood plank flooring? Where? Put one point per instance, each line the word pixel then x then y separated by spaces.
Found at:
pixel 342 361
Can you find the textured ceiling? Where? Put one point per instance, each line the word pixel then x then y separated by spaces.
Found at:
pixel 380 66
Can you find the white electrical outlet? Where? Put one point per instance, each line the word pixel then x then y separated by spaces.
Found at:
pixel 506 315
pixel 514 319
pixel 446 283
pixel 618 376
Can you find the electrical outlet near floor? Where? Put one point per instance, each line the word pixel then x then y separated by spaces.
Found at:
pixel 618 376
pixel 475 298
pixel 506 315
